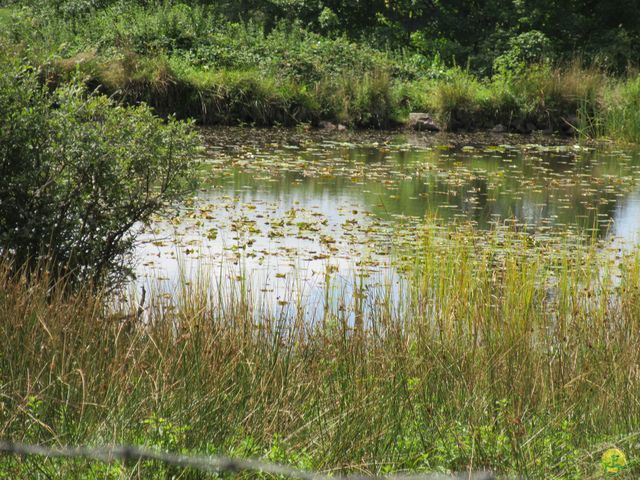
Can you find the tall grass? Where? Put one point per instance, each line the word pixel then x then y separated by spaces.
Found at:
pixel 565 99
pixel 460 101
pixel 622 117
pixel 504 353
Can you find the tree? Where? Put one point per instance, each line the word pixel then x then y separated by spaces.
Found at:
pixel 79 174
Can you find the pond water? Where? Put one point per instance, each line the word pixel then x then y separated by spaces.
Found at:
pixel 282 212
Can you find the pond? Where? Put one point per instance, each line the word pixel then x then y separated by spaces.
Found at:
pixel 280 214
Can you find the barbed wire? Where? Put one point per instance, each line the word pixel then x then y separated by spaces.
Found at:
pixel 208 464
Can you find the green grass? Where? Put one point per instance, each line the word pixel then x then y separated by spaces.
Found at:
pixel 621 120
pixel 502 353
pixel 188 61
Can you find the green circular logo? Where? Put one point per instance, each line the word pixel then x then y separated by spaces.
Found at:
pixel 613 460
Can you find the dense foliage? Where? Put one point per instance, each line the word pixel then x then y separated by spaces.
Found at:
pixel 458 31
pixel 79 172
pixel 275 63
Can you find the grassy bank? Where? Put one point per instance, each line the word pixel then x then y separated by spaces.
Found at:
pixel 190 61
pixel 504 353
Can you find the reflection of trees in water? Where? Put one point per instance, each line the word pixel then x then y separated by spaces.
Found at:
pixel 288 183
pixel 544 188
pixel 473 199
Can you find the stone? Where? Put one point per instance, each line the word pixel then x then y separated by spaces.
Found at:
pixel 422 122
pixel 499 128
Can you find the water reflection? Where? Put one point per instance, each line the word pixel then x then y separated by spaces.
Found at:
pixel 281 211
pixel 627 219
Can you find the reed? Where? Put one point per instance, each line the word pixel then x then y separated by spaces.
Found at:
pixel 622 118
pixel 503 352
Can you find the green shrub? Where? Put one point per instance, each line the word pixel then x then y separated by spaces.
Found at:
pixel 368 101
pixel 80 173
pixel 526 49
pixel 548 98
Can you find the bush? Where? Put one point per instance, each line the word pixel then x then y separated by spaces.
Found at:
pixel 525 49
pixel 79 173
pixel 550 98
pixel 373 105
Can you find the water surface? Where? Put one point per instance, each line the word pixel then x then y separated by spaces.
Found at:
pixel 282 212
